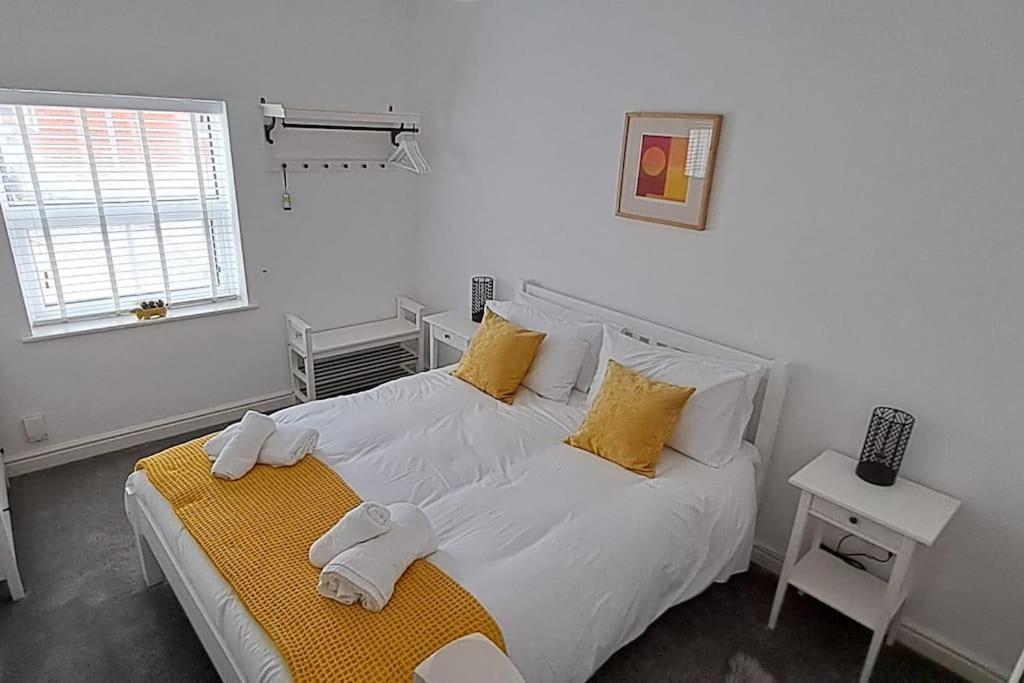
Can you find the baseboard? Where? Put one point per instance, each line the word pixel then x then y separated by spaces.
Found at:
pixel 767 558
pixel 912 634
pixel 929 644
pixel 90 446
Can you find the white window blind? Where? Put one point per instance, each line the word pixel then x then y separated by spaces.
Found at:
pixel 109 201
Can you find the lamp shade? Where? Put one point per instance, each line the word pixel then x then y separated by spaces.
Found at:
pixel 884 445
pixel 483 291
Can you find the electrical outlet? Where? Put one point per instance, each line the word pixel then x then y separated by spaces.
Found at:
pixel 35 428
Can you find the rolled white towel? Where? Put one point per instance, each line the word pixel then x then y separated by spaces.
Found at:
pixel 285 447
pixel 361 523
pixel 243 448
pixel 214 446
pixel 367 572
pixel 288 445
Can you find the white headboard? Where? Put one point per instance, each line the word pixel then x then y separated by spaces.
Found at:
pixel 770 396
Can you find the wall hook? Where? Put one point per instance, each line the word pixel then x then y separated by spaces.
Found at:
pixel 268 128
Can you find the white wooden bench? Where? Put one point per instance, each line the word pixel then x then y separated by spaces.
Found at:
pixel 345 360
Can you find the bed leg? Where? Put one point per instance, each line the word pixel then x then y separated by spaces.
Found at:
pixel 151 571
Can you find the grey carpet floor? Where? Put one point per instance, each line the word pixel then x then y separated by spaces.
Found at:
pixel 87 616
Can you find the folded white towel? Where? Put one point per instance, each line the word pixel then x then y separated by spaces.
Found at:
pixel 367 572
pixel 242 450
pixel 359 524
pixel 285 447
pixel 214 446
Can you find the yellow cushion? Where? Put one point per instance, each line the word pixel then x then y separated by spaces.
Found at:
pixel 631 419
pixel 499 356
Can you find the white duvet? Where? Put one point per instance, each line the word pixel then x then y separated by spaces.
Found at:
pixel 572 555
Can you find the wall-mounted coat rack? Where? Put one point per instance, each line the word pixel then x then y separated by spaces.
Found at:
pixel 294 165
pixel 298 165
pixel 402 127
pixel 323 119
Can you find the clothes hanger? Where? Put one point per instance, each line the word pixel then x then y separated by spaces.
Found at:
pixel 408 154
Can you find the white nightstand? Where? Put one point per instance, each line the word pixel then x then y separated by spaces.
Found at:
pixel 896 518
pixel 451 329
pixel 8 560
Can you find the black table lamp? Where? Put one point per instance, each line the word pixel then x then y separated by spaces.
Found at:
pixel 884 446
pixel 483 291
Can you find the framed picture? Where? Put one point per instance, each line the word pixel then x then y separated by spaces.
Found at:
pixel 668 162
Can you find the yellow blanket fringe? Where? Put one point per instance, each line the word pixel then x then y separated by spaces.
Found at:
pixel 257 532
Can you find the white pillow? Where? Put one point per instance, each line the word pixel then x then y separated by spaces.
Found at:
pixel 557 366
pixel 589 329
pixel 754 373
pixel 710 428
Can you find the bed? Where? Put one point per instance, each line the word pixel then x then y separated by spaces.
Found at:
pixel 572 555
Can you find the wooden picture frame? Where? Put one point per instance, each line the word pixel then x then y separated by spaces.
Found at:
pixel 667 167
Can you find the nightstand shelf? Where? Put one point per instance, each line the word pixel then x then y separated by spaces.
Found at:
pixel 856 594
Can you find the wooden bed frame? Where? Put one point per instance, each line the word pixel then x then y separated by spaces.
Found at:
pixel 158 563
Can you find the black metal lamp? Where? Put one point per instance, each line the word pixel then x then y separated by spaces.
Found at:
pixel 884 446
pixel 483 291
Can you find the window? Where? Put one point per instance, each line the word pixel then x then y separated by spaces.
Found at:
pixel 109 201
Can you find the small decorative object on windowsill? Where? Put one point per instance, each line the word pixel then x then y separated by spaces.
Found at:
pixel 884 446
pixel 150 309
pixel 483 291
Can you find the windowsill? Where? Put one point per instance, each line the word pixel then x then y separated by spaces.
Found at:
pixel 74 329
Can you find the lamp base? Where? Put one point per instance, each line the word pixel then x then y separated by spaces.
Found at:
pixel 876 473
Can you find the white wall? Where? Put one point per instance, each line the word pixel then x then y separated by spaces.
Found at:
pixel 339 257
pixel 865 223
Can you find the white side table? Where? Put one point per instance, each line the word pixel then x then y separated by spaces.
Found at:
pixel 451 329
pixel 896 518
pixel 8 560
pixel 470 659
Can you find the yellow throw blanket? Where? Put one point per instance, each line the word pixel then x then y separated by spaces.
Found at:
pixel 257 532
